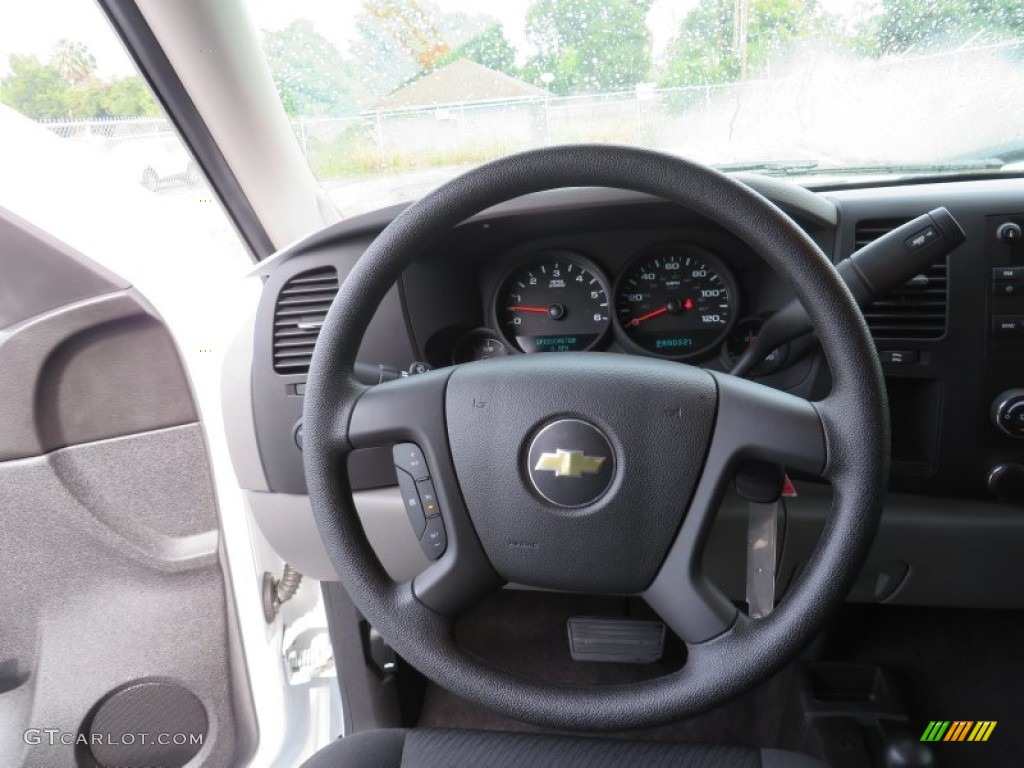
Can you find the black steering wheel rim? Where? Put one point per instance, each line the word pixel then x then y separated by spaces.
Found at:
pixel 853 421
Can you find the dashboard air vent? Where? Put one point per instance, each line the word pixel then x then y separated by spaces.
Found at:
pixel 301 308
pixel 915 311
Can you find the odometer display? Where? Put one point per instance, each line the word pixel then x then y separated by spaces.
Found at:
pixel 676 302
pixel 557 303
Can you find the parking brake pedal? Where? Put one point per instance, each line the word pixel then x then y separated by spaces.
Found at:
pixel 622 641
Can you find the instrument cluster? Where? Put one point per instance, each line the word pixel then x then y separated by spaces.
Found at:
pixel 677 301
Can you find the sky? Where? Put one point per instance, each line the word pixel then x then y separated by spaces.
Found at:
pixel 34 26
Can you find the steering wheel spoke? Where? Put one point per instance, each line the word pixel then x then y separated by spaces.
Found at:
pixel 753 422
pixel 409 413
pixel 758 422
pixel 410 409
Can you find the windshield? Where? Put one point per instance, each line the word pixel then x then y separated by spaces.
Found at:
pixel 390 97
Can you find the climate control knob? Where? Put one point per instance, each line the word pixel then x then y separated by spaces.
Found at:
pixel 1008 412
pixel 1006 482
pixel 1010 232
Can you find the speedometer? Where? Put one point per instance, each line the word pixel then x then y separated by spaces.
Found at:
pixel 677 301
pixel 557 303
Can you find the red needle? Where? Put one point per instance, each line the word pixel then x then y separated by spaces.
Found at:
pixel 528 309
pixel 637 320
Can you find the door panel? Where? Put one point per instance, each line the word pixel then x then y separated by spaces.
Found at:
pixel 110 538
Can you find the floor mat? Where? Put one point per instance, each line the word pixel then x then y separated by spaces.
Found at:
pixel 947 664
pixel 525 633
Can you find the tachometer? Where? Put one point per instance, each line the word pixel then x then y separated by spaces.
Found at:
pixel 678 302
pixel 557 303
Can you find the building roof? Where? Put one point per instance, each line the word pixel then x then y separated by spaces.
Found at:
pixel 460 82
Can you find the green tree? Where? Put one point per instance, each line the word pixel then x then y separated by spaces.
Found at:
pixel 704 51
pixel 311 75
pixel 34 89
pixel 73 61
pixel 589 45
pixel 84 101
pixel 38 91
pixel 382 63
pixel 119 97
pixel 904 25
pixel 388 54
pixel 487 46
pixel 127 97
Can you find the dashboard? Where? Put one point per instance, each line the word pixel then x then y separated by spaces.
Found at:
pixel 625 273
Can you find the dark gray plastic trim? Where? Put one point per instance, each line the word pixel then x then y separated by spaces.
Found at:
pixel 795 200
pixel 91 370
pixel 957 553
pixel 39 273
pixel 275 410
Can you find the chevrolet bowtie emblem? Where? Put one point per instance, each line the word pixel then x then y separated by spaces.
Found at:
pixel 569 463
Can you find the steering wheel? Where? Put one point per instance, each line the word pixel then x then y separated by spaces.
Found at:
pixel 591 472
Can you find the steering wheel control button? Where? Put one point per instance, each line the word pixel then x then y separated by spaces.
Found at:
pixel 409 458
pixel 570 463
pixel 434 540
pixel 411 502
pixel 428 499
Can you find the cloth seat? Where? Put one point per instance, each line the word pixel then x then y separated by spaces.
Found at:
pixel 439 748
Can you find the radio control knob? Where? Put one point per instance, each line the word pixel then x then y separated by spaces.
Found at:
pixel 1008 412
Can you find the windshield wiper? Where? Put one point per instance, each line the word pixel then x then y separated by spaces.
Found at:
pixel 1011 152
pixel 781 167
pixel 950 166
pixel 813 168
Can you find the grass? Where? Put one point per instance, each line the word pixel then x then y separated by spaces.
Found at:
pixel 353 153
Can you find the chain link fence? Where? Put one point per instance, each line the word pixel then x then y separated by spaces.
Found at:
pixel 437 136
pixel 463 133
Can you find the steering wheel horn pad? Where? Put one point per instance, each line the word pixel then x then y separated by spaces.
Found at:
pixel 657 417
pixel 676 434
